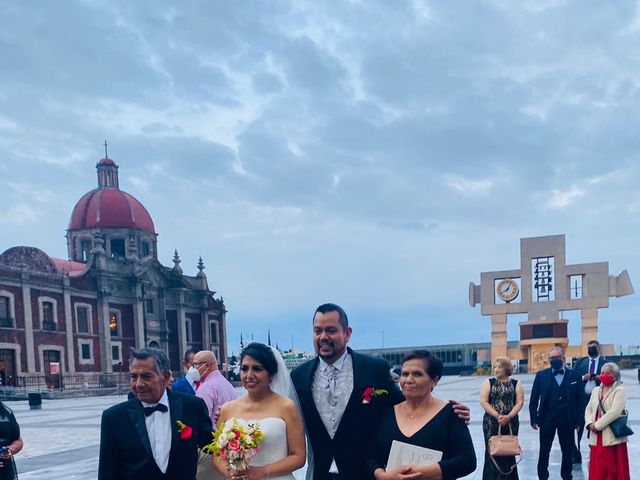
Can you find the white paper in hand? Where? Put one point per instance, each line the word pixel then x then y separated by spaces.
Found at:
pixel 406 454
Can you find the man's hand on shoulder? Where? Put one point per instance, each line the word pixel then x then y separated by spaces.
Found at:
pixel 462 411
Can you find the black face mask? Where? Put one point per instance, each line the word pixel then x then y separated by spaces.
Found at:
pixel 593 351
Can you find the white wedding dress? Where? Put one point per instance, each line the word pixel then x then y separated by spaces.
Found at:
pixel 274 446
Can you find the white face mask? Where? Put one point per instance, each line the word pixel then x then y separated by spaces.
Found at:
pixel 193 374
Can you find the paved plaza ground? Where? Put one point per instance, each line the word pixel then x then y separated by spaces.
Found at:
pixel 61 440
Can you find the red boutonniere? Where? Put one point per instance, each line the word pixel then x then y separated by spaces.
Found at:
pixel 370 393
pixel 185 431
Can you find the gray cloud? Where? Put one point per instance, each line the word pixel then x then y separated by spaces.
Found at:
pixel 373 154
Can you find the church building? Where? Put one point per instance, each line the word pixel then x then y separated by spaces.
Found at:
pixel 83 315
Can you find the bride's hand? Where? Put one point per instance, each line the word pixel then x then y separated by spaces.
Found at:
pixel 251 473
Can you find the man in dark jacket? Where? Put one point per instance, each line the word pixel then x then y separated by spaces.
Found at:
pixel 338 416
pixel 157 433
pixel 556 406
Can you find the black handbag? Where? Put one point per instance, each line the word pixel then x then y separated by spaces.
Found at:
pixel 619 426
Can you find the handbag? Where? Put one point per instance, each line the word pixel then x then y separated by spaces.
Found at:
pixel 619 426
pixel 504 446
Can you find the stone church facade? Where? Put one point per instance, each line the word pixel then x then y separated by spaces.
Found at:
pixel 83 315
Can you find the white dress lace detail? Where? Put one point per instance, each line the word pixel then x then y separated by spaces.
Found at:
pixel 274 445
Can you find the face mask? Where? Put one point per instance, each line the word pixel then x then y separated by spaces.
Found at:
pixel 606 379
pixel 556 363
pixel 592 351
pixel 193 374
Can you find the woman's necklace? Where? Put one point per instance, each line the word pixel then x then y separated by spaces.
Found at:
pixel 417 410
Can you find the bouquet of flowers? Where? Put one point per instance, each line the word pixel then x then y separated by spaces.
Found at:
pixel 236 442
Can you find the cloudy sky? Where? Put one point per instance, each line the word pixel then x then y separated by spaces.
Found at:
pixel 378 154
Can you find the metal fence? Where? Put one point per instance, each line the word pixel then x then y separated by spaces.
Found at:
pixel 73 381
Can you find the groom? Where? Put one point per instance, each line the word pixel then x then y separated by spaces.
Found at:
pixel 339 413
pixel 140 439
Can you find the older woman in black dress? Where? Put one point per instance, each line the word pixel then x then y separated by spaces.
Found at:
pixel 424 421
pixel 502 398
pixel 9 438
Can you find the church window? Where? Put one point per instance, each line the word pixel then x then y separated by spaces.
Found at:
pixel 149 305
pixel 187 329
pixel 82 316
pixel 86 351
pixel 47 312
pixel 117 247
pixel 5 310
pixel 213 331
pixel 6 319
pixel 114 323
pixel 85 249
pixel 144 249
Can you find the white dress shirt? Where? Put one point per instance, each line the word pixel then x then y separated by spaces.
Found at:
pixel 159 432
pixel 591 384
pixel 332 387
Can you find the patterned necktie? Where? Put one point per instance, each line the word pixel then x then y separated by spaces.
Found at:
pixel 331 380
pixel 592 368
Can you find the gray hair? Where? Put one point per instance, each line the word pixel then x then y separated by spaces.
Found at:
pixel 557 348
pixel 615 370
pixel 160 358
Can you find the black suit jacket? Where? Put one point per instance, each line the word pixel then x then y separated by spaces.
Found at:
pixel 582 367
pixel 125 451
pixel 540 401
pixel 359 421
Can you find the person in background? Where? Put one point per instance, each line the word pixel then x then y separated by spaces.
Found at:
pixel 11 440
pixel 589 369
pixel 609 458
pixel 502 398
pixel 188 382
pixel 215 390
pixel 555 405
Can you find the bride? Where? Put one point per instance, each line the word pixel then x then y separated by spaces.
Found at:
pixel 283 449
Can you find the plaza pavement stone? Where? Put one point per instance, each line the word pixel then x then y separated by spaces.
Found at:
pixel 62 439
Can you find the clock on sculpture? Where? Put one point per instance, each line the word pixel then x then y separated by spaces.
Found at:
pixel 507 290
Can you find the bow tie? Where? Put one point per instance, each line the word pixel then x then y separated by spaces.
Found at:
pixel 558 372
pixel 156 408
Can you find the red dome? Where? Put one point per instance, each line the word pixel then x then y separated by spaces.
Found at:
pixel 110 207
pixel 106 161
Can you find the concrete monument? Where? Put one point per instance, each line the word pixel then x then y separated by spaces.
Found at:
pixel 542 288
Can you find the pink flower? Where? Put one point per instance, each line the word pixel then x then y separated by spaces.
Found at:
pixel 234 445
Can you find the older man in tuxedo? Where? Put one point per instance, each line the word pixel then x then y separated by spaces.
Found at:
pixel 156 434
pixel 339 415
pixel 556 406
